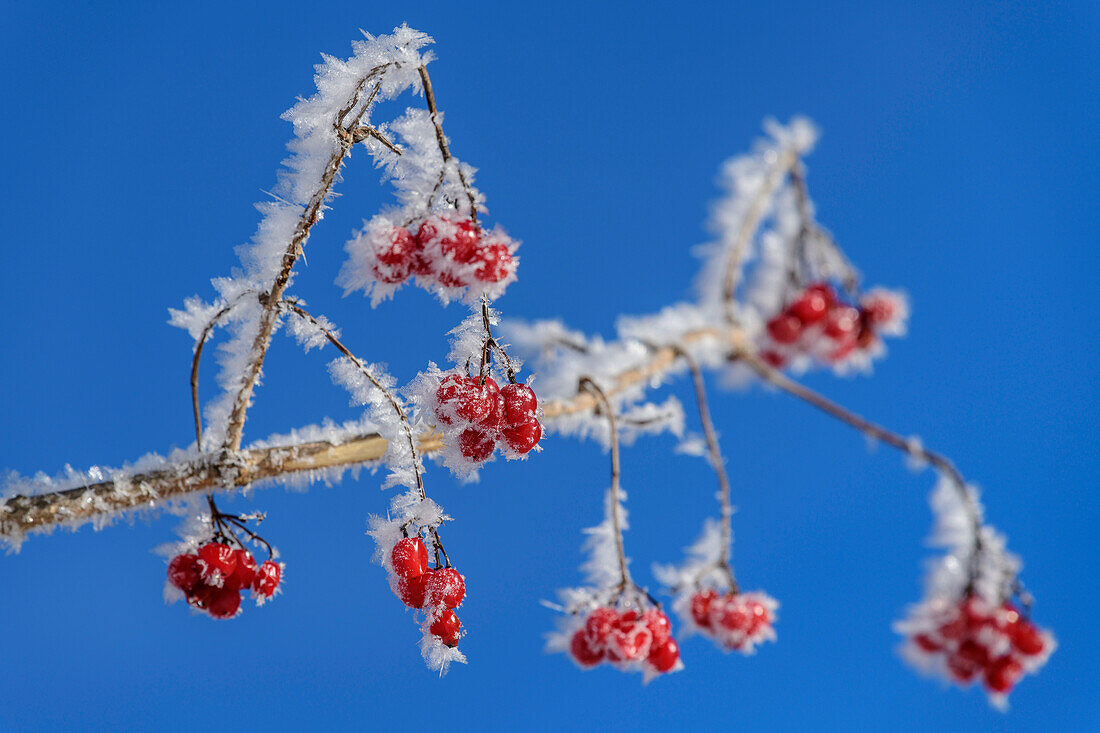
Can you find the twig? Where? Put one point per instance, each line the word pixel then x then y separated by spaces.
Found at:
pixel 716 461
pixel 739 247
pixel 877 432
pixel 441 140
pixel 309 217
pixel 409 434
pixel 586 384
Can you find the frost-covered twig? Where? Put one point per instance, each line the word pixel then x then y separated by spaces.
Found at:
pixel 716 461
pixel 910 446
pixel 587 385
pixel 410 436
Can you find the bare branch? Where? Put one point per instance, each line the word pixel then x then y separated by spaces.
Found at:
pixel 740 245
pixel 310 216
pixel 23 514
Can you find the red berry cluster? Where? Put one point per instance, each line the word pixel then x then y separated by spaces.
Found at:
pixel 484 414
pixel 626 639
pixel 976 639
pixel 818 323
pixel 214 578
pixel 735 620
pixel 448 251
pixel 439 591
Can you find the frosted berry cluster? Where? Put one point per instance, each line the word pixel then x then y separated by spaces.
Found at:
pixel 213 578
pixel 438 591
pixel 821 325
pixel 974 640
pixel 735 621
pixel 626 639
pixel 445 251
pixel 480 415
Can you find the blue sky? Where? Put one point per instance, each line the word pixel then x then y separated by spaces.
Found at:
pixel 958 161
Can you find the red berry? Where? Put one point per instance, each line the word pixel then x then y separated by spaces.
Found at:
pixel 927 643
pixel 841 322
pixel 629 642
pixel 410 590
pixel 785 328
pixel 409 557
pixel 1027 638
pixel 390 274
pixel 223 602
pixel 446 626
pixel 700 607
pixel 496 408
pixel 457 239
pixel 825 290
pixel 735 616
pixel 583 651
pixel 879 308
pixel 520 403
pixel 267 579
pixel 475 445
pixel 184 572
pixel 217 559
pixel 599 625
pixel 244 573
pixel 658 624
pixel 444 587
pixel 523 437
pixel 810 307
pixel 973 652
pixel 960 668
pixel 1003 674
pixel 200 595
pixel 495 262
pixel 664 655
pixel 463 398
pixel 759 616
pixel 399 248
pixel 497 416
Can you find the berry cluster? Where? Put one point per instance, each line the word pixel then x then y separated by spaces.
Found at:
pixel 482 415
pixel 626 639
pixel 737 621
pixel 214 577
pixel 447 251
pixel 819 324
pixel 438 590
pixel 978 640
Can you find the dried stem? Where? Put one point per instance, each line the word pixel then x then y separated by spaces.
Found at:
pixel 716 461
pixel 310 216
pixel 441 140
pixel 590 386
pixel 195 371
pixel 877 432
pixel 22 514
pixel 409 434
pixel 740 245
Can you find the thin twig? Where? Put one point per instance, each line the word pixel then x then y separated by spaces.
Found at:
pixel 589 385
pixel 310 216
pixel 877 432
pixel 441 141
pixel 740 245
pixel 717 461
pixel 409 434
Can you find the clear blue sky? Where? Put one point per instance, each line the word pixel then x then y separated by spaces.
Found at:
pixel 958 161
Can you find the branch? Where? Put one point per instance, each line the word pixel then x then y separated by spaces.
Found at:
pixel 716 460
pixel 21 515
pixel 590 387
pixel 310 216
pixel 872 430
pixel 785 160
